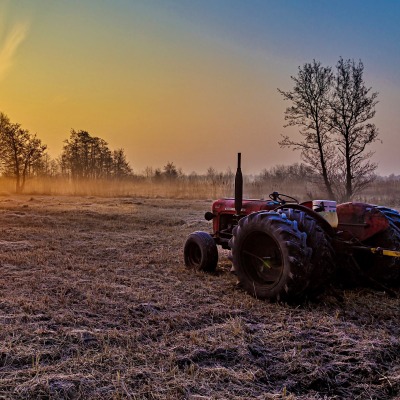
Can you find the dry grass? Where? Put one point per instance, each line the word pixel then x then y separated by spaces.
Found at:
pixel 95 302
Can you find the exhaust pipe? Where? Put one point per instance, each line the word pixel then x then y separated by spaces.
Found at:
pixel 238 186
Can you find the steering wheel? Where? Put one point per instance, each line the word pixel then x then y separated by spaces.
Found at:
pixel 275 196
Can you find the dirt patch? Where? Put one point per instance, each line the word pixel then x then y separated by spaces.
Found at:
pixel 95 302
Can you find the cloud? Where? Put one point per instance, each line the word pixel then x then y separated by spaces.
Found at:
pixel 9 46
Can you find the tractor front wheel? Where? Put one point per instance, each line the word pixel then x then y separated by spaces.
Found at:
pixel 271 256
pixel 200 252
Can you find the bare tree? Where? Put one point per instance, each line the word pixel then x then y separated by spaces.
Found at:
pixel 332 111
pixel 20 150
pixel 170 171
pixel 48 167
pixel 352 106
pixel 121 167
pixel 310 111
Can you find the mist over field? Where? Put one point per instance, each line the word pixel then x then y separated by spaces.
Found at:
pixel 384 191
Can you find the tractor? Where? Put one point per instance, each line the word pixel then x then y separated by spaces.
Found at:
pixel 283 250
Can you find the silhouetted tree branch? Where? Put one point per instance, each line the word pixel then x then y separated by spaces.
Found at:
pixel 310 111
pixel 352 105
pixel 332 112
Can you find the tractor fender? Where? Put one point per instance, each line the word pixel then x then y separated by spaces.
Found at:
pixel 321 221
pixel 360 220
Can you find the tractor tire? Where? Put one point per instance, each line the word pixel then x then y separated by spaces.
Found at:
pixel 383 269
pixel 322 259
pixel 200 252
pixel 271 257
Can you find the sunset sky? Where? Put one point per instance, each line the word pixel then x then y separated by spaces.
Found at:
pixel 188 81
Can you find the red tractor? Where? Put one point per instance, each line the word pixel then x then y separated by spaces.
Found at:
pixel 282 250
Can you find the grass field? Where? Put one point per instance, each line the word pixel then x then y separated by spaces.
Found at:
pixel 96 303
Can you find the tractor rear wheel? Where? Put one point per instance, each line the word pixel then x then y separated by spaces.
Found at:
pixel 271 257
pixel 322 259
pixel 200 252
pixel 383 269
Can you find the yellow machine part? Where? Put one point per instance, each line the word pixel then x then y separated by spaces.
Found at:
pixel 383 252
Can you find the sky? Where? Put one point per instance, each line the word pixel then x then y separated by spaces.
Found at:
pixel 191 82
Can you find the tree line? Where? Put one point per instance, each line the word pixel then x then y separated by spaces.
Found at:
pixel 23 156
pixel 84 156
